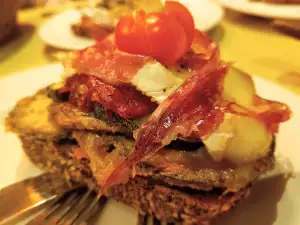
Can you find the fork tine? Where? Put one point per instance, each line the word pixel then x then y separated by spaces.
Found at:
pixel 91 214
pixel 73 208
pixel 142 219
pixel 42 216
pixel 83 215
pixel 76 209
pixel 47 214
pixel 96 211
pixel 39 219
pixel 64 207
pixel 156 221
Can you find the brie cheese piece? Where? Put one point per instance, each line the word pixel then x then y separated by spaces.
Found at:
pixel 156 81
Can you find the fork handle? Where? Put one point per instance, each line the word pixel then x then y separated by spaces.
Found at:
pixel 21 197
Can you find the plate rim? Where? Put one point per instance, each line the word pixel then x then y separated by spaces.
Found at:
pixel 58 67
pixel 251 8
pixel 51 42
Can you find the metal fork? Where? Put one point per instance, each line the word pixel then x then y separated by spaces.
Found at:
pixel 80 206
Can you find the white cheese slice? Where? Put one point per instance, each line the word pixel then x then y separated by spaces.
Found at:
pixel 156 81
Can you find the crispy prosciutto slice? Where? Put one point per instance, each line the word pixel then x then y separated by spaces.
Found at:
pixel 271 112
pixel 112 66
pixel 195 109
pixel 195 106
pixel 107 63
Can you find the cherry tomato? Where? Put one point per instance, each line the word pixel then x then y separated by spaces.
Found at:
pixel 130 34
pixel 166 36
pixel 183 16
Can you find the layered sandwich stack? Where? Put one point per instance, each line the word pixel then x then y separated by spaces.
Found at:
pixel 152 117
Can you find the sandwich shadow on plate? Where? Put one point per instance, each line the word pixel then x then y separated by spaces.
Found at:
pixel 260 207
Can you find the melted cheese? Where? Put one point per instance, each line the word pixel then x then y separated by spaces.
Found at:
pixel 156 81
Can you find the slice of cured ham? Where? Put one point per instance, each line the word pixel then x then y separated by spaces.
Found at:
pixel 195 106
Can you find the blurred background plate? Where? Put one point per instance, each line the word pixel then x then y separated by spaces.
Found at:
pixel 207 14
pixel 280 11
pixel 57 31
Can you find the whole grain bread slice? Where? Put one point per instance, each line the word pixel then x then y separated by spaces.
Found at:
pixel 148 195
pixel 33 116
pixel 151 192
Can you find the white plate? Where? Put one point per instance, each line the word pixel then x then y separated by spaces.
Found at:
pixel 262 9
pixel 270 202
pixel 207 14
pixel 57 30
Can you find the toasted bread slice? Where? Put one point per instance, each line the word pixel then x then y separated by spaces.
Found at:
pixel 186 196
pixel 146 194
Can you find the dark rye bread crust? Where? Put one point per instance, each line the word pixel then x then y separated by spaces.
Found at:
pixel 198 178
pixel 149 194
